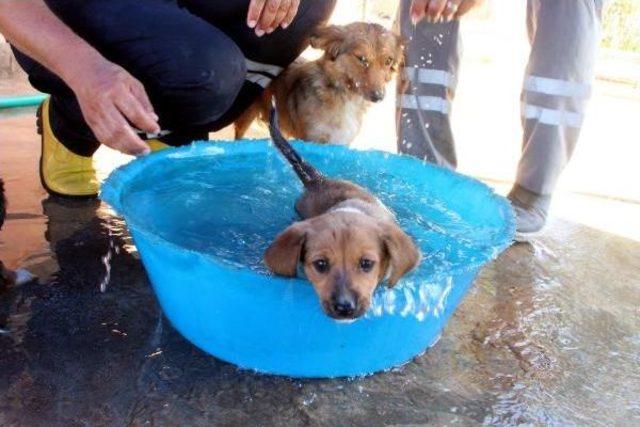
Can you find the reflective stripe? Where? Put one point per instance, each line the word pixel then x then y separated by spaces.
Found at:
pixel 552 117
pixel 274 70
pixel 259 79
pixel 430 76
pixel 427 103
pixel 556 87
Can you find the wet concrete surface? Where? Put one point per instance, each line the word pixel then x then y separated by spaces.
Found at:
pixel 549 334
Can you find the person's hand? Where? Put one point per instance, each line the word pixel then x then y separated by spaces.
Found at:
pixel 440 10
pixel 267 15
pixel 112 101
pixel 466 6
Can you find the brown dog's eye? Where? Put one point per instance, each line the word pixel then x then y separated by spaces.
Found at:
pixel 388 61
pixel 363 60
pixel 321 265
pixel 366 265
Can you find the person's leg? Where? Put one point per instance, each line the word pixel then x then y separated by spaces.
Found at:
pixel 564 37
pixel 265 56
pixel 191 70
pixel 426 89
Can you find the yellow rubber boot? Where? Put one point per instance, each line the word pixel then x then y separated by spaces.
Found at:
pixel 63 172
pixel 157 145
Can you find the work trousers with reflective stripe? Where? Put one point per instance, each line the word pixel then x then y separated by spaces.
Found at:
pixel 200 63
pixel 557 84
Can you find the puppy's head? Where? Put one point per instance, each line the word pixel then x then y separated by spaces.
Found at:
pixel 345 256
pixel 361 55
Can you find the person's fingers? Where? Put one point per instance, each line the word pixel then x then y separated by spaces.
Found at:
pixel 450 9
pixel 98 128
pixel 417 10
pixel 435 9
pixel 280 15
pixel 138 91
pixel 114 131
pixel 124 139
pixel 254 12
pixel 291 14
pixel 135 112
pixel 267 17
pixel 466 5
pixel 97 121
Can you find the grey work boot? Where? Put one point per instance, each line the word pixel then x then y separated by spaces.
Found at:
pixel 531 212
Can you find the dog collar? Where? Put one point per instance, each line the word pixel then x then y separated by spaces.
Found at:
pixel 348 209
pixel 300 271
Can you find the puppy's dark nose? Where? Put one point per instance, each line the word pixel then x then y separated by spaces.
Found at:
pixel 344 304
pixel 377 95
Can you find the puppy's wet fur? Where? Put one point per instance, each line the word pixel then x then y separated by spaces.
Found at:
pixel 347 243
pixel 325 100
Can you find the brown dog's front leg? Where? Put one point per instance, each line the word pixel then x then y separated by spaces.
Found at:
pixel 242 123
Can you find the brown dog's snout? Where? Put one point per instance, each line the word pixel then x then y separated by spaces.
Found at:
pixel 344 303
pixel 376 95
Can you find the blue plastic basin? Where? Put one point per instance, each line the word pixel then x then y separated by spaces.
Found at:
pixel 201 217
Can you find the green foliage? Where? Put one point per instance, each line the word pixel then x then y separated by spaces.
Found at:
pixel 621 25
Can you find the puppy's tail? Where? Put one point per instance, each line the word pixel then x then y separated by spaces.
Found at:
pixel 307 173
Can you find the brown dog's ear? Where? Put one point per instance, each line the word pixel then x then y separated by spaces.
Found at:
pixel 283 254
pixel 330 39
pixel 401 53
pixel 403 255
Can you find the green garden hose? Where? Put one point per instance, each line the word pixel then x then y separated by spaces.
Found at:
pixel 21 101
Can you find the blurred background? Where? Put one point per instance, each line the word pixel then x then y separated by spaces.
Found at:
pixel 600 188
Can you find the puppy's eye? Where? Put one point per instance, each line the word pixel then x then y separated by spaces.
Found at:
pixel 321 265
pixel 363 60
pixel 388 62
pixel 366 264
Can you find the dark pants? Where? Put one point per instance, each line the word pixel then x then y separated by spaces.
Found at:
pixel 199 62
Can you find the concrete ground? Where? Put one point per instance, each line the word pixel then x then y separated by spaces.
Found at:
pixel 549 333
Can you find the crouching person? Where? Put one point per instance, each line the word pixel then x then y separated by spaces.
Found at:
pixel 138 75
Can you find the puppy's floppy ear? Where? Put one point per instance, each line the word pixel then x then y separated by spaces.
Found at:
pixel 330 39
pixel 283 254
pixel 403 255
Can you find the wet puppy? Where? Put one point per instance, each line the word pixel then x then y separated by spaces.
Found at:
pixel 325 100
pixel 347 243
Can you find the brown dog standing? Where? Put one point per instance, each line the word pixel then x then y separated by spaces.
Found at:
pixel 348 242
pixel 325 100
